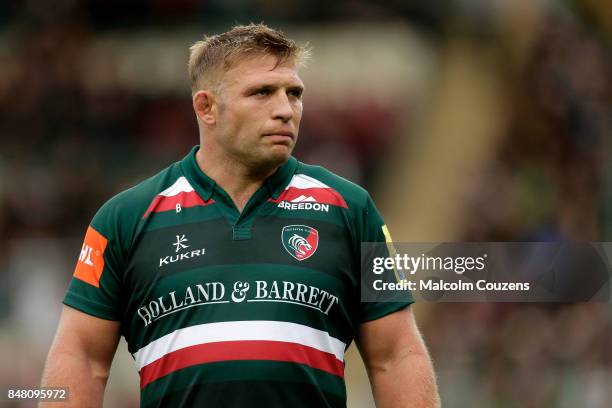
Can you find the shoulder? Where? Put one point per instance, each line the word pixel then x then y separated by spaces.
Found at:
pixel 362 218
pixel 355 196
pixel 121 215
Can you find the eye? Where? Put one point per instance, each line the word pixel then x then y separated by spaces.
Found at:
pixel 262 92
pixel 296 93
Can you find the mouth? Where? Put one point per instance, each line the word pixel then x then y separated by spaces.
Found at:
pixel 280 134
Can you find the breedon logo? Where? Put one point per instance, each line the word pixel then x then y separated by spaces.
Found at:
pixel 301 241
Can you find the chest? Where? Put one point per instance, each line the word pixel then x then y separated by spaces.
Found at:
pixel 298 269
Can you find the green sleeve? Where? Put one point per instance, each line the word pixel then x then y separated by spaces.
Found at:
pixel 95 286
pixel 373 230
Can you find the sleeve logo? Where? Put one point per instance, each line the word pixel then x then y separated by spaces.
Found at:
pixel 90 265
pixel 399 275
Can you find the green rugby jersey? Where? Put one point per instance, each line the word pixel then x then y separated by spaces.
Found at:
pixel 227 309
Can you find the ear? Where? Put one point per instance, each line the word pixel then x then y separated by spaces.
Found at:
pixel 204 106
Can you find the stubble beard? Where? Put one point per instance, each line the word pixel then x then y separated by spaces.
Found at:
pixel 267 158
pixel 260 159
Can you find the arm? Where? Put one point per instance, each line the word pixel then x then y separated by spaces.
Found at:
pixel 397 362
pixel 80 358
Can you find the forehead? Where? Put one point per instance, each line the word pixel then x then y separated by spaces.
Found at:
pixel 256 70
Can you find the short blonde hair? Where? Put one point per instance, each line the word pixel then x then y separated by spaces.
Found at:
pixel 216 54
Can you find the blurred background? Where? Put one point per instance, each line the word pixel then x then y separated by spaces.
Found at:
pixel 468 120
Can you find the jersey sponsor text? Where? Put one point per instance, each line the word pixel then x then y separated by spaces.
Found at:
pixel 209 293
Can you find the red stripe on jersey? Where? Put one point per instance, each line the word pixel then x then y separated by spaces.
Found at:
pixel 185 199
pixel 321 195
pixel 240 350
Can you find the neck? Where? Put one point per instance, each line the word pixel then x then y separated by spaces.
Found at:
pixel 238 180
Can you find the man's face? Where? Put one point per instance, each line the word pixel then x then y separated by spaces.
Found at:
pixel 259 111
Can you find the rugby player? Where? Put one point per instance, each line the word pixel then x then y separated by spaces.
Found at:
pixel 228 292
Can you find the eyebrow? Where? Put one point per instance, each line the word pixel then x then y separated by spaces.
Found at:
pixel 257 87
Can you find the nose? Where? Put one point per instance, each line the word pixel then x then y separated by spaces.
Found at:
pixel 282 109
